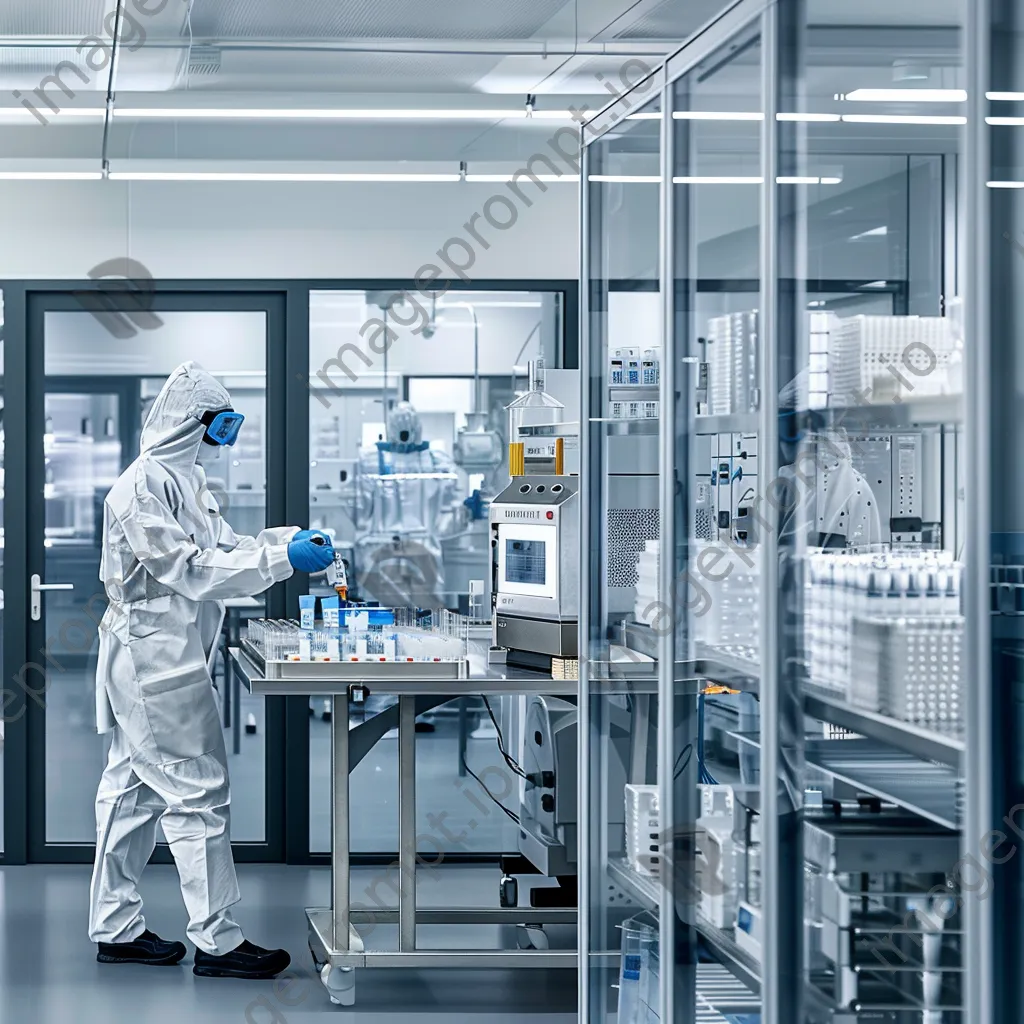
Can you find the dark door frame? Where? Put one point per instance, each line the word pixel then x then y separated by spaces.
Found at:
pixel 287 360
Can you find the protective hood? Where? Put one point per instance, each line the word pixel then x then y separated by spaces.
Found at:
pixel 405 431
pixel 173 430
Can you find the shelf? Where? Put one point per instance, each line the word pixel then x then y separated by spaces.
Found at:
pixel 928 410
pixel 931 791
pixel 728 423
pixel 929 746
pixel 718 666
pixel 643 889
pixel 647 893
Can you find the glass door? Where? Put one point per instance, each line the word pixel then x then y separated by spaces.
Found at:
pixel 97 374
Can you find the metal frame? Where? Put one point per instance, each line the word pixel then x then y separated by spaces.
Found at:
pixel 287 795
pixel 677 992
pixel 983 966
pixel 27 479
pixel 330 927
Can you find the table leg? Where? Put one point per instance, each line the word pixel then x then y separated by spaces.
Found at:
pixel 340 859
pixel 407 822
pixel 232 684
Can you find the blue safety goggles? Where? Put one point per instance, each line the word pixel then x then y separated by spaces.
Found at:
pixel 222 427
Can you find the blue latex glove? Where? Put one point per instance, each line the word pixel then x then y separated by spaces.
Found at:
pixel 308 556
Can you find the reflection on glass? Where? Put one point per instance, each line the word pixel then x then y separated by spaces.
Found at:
pixel 404 490
pixel 871 548
pixel 621 490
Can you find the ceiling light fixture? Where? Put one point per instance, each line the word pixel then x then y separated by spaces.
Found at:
pixel 95 112
pixel 718 115
pixel 1005 121
pixel 627 179
pixel 906 96
pixel 502 178
pixel 645 115
pixel 309 176
pixel 1005 184
pixel 903 119
pixel 51 175
pixel 715 179
pixel 338 114
pixel 1005 97
pixel 809 118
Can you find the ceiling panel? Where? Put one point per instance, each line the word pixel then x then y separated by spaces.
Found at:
pixel 343 72
pixel 415 19
pixel 673 20
pixel 53 17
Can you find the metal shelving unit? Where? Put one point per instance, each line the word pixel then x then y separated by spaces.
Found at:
pixel 930 790
pixel 752 379
pixel 928 746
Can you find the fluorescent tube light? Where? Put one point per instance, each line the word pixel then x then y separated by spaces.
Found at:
pixel 807 180
pixel 502 178
pixel 645 115
pixel 716 179
pixel 907 96
pixel 630 179
pixel 718 115
pixel 275 176
pixel 338 114
pixel 903 119
pixel 1005 97
pixel 1005 121
pixel 1005 184
pixel 50 175
pixel 95 112
pixel 810 118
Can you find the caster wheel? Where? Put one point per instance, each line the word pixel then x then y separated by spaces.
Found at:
pixel 340 983
pixel 532 936
pixel 508 891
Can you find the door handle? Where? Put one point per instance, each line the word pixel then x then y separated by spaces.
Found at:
pixel 36 594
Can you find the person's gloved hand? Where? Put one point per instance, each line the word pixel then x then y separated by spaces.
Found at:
pixel 309 556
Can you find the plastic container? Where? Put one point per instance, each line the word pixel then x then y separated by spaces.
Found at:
pixel 307 611
pixel 650 984
pixel 639 933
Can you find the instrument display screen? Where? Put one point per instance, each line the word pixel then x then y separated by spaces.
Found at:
pixel 525 561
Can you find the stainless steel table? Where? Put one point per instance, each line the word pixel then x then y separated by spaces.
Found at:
pixel 330 936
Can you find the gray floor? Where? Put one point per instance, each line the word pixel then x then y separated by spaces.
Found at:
pixel 48 970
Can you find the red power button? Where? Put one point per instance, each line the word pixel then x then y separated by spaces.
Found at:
pixel 550 515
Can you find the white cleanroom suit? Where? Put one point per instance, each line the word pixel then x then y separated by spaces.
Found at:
pixel 168 560
pixel 407 489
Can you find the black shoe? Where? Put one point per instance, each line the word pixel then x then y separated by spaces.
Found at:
pixel 244 961
pixel 148 948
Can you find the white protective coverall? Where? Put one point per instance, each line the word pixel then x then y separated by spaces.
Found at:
pixel 847 506
pixel 168 560
pixel 407 490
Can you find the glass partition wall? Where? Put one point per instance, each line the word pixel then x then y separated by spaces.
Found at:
pixel 773 698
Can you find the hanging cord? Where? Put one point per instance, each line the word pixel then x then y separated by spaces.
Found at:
pixel 509 759
pixel 512 815
pixel 702 770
